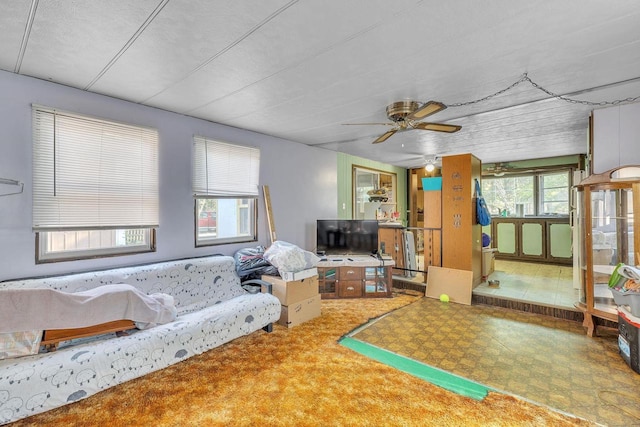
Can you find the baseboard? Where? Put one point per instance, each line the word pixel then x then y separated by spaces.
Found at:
pixel 529 307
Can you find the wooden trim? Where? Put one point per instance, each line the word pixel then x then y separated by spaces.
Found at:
pixel 588 256
pixel 51 337
pixel 636 221
pixel 374 170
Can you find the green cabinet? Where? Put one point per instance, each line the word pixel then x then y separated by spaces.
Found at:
pixel 532 239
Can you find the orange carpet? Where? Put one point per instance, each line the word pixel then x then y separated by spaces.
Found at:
pixel 295 377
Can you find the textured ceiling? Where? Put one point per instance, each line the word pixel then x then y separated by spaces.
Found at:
pixel 299 70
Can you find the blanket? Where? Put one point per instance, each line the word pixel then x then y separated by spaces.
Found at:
pixel 630 272
pixel 42 309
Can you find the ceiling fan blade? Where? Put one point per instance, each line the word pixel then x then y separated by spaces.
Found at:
pixel 385 136
pixel 438 127
pixel 368 124
pixel 426 110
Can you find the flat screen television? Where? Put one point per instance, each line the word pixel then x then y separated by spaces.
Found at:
pixel 347 236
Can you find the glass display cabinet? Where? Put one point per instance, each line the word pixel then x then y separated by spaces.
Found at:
pixel 327 279
pixel 605 215
pixel 377 281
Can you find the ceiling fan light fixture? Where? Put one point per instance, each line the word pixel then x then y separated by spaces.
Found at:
pixel 405 115
pixel 429 167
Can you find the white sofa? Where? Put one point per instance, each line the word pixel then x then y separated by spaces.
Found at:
pixel 212 305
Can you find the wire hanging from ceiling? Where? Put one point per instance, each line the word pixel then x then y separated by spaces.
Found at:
pixel 525 78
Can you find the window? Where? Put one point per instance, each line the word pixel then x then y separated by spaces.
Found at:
pixel 509 195
pixel 532 194
pixel 554 193
pixel 95 186
pixel 225 188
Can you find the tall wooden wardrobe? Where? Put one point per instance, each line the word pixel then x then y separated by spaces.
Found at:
pixel 461 234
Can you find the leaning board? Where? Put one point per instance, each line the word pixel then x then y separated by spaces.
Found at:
pixel 458 284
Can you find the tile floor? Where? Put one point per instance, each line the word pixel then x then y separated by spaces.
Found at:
pixel 546 360
pixel 544 284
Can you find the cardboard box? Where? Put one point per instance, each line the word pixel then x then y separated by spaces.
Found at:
pixel 457 284
pixel 300 312
pixel 290 276
pixel 292 292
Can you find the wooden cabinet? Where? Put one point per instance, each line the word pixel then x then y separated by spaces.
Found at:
pixel 607 237
pixel 432 232
pixel 377 281
pixel 350 282
pixel 461 234
pixel 390 241
pixel 432 248
pixel 355 281
pixel 328 281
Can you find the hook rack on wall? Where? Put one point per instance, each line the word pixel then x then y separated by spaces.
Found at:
pixel 6 181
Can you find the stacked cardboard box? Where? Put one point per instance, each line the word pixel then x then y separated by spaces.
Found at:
pixel 299 296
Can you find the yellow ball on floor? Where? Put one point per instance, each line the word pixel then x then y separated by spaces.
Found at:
pixel 444 298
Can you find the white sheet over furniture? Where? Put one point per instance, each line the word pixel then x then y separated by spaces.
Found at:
pixel 40 308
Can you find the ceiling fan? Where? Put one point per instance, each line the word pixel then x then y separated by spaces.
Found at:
pixel 406 115
pixel 499 169
pixel 503 168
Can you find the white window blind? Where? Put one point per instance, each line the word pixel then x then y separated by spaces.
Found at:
pixel 90 173
pixel 222 169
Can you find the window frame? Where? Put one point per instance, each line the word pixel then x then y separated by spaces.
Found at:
pixel 359 199
pixel 252 236
pixel 540 193
pixel 55 130
pixel 537 195
pixel 232 173
pixel 45 257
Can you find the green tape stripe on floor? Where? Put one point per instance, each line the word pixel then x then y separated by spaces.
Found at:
pixel 435 376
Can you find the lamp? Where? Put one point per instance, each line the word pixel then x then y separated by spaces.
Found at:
pixel 432 161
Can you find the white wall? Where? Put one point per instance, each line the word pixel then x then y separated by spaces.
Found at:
pixel 302 180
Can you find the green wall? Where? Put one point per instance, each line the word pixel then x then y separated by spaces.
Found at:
pixel 345 185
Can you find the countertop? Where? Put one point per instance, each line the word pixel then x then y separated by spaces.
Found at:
pixel 355 261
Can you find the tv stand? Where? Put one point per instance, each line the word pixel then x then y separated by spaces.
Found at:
pixel 355 276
